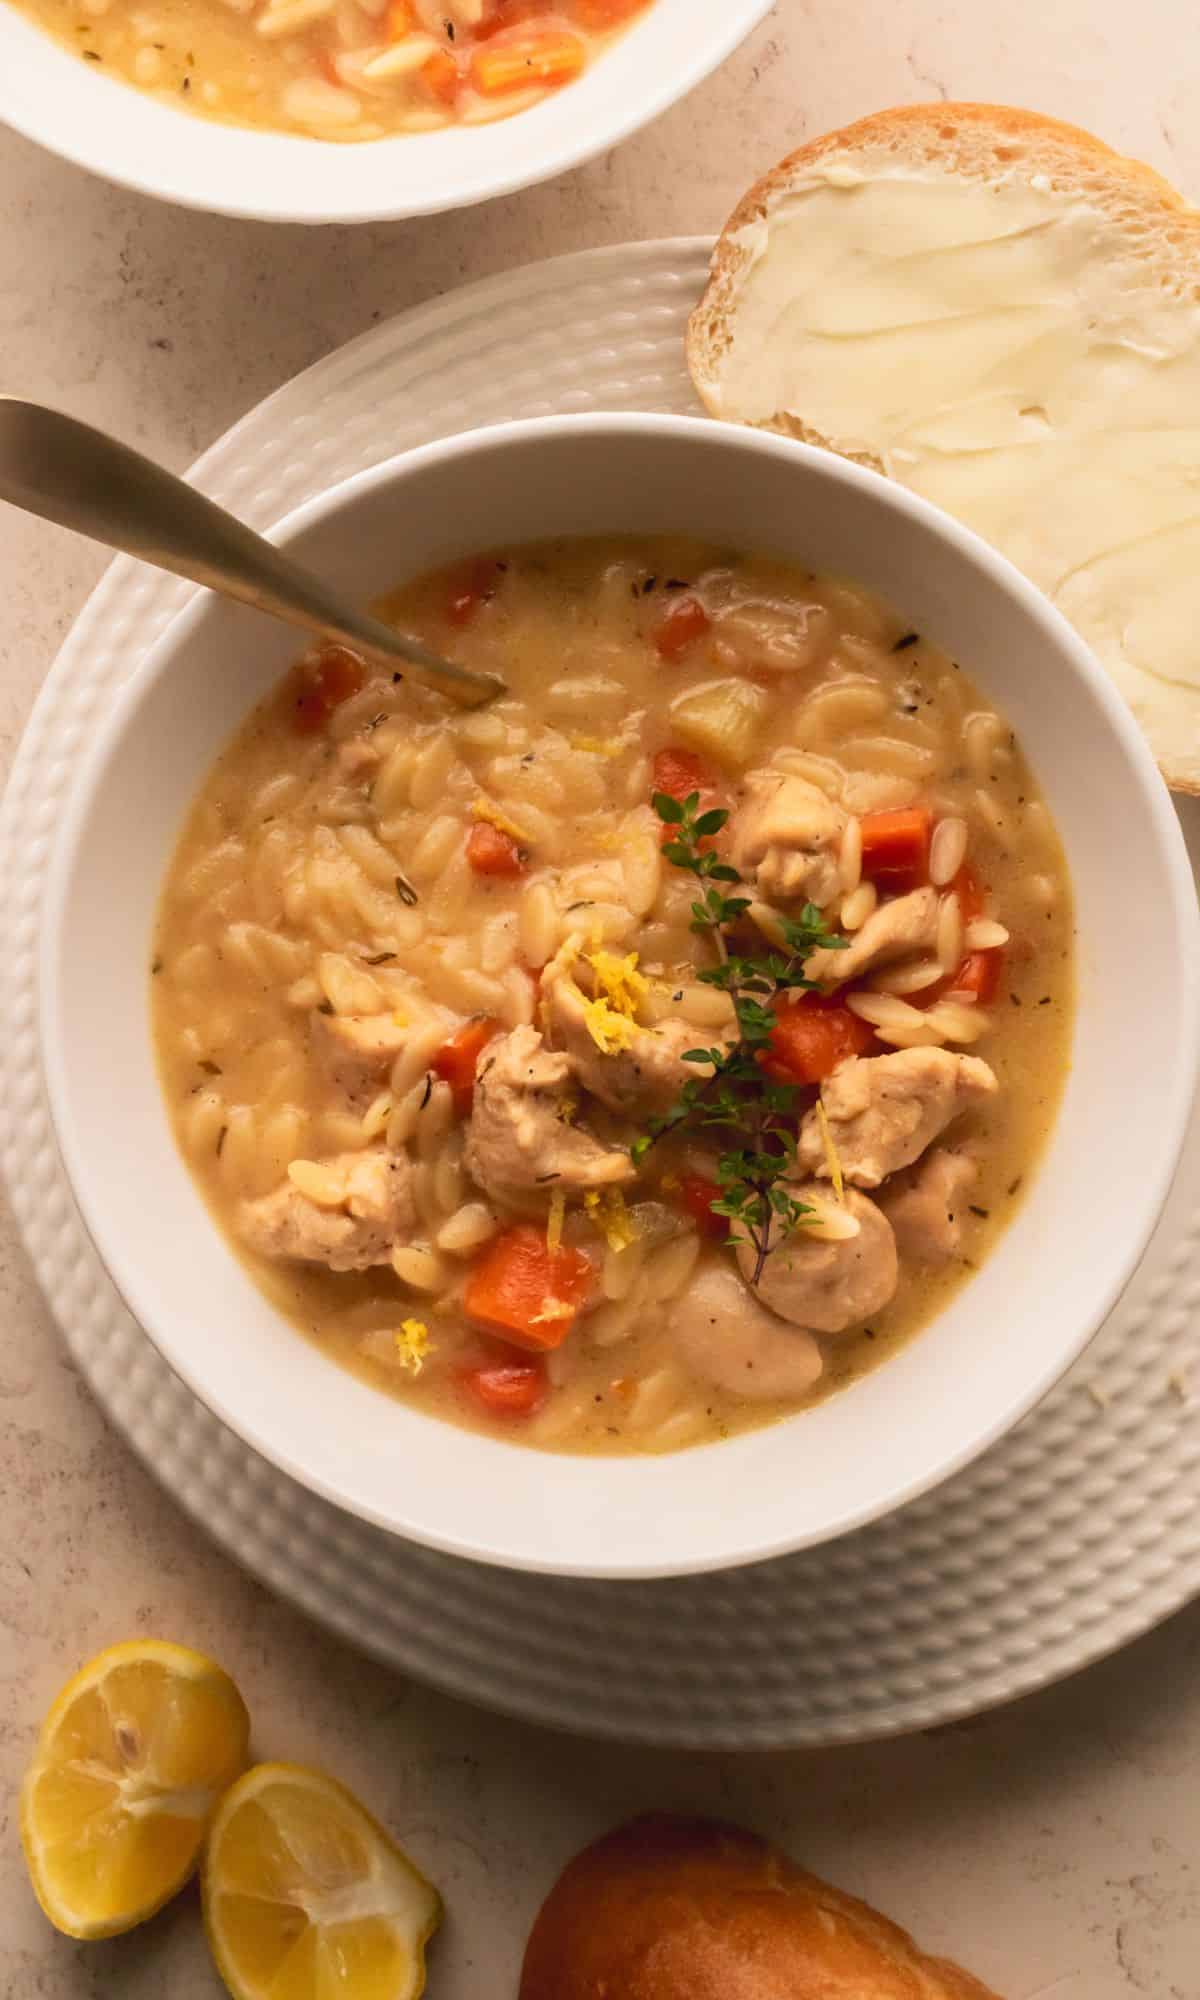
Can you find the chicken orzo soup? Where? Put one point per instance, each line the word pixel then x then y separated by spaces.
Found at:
pixel 642 1057
pixel 342 69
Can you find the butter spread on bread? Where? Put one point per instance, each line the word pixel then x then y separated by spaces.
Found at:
pixel 1004 316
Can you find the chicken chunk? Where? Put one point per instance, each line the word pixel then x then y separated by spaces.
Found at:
pixel 519 1143
pixel 824 1285
pixel 726 1337
pixel 883 1111
pixel 787 834
pixel 925 1205
pixel 899 929
pixel 356 1051
pixel 365 1209
pixel 638 1081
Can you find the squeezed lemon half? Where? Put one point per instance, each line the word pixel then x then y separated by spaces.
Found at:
pixel 307 1898
pixel 130 1763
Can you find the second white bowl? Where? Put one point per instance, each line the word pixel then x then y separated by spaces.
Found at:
pixel 127 136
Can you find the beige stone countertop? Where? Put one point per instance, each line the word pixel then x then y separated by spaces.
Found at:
pixel 1055 1846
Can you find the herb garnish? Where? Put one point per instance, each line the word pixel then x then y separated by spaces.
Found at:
pixel 738 1094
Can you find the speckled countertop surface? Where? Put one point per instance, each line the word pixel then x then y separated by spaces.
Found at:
pixel 1055 1847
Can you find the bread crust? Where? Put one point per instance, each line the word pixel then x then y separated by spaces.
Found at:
pixel 978 140
pixel 669 1908
pixel 975 138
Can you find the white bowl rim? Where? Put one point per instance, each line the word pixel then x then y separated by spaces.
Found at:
pixel 84 144
pixel 119 1260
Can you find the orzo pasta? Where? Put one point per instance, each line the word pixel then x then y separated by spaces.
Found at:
pixel 342 69
pixel 462 1057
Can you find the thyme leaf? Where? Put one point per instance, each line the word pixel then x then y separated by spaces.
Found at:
pixel 756 1113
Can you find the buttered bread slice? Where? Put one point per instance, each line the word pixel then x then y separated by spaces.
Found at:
pixel 1004 315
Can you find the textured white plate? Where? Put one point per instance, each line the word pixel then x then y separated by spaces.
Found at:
pixel 1078 1531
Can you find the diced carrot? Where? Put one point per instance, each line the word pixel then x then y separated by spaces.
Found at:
pixel 469 587
pixel 526 1292
pixel 681 772
pixel 972 896
pixel 979 975
pixel 442 78
pixel 491 851
pixel 505 14
pixel 698 1196
pixel 455 1061
pixel 685 621
pixel 529 57
pixel 812 1036
pixel 507 1388
pixel 979 972
pixel 895 847
pixel 320 685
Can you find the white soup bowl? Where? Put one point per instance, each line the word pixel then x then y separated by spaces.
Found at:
pixel 75 109
pixel 1007 1335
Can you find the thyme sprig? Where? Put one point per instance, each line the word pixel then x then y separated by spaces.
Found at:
pixel 738 1095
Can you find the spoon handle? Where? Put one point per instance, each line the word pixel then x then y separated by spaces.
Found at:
pixel 65 471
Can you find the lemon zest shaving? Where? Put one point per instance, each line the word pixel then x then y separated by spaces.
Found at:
pixel 555 1220
pixel 612 1218
pixel 568 1107
pixel 611 1032
pixel 482 808
pixel 611 1018
pixel 831 1155
pixel 413 1345
pixel 552 1309
pixel 597 746
pixel 620 980
pixel 621 1229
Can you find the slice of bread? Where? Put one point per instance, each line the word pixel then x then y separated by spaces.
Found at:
pixel 1000 312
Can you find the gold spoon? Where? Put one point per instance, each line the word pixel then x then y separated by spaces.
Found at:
pixel 82 479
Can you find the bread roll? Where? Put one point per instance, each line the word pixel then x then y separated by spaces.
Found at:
pixel 1001 313
pixel 682 1909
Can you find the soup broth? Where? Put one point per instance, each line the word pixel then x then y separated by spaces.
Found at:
pixel 341 69
pixel 422 980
